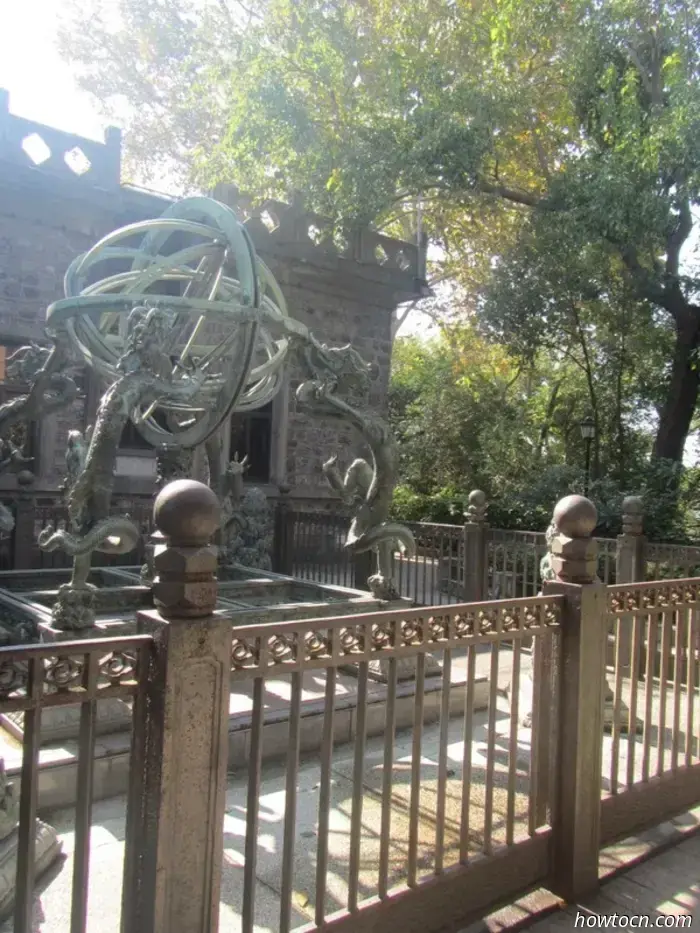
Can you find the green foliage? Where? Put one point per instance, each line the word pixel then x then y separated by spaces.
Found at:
pixel 555 149
pixel 469 417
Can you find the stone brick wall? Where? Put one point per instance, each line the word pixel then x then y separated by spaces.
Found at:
pixel 46 219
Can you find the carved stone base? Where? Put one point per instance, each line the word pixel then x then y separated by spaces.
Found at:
pixel 74 609
pixel 62 723
pixel 383 588
pixel 405 669
pixel 47 849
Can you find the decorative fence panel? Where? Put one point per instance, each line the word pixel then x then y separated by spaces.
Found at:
pixel 41 679
pixel 434 576
pixel 312 547
pixel 420 834
pixel 654 759
pixel 514 562
pixel 316 543
pixel 671 561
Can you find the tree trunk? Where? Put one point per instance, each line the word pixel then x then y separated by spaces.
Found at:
pixel 681 399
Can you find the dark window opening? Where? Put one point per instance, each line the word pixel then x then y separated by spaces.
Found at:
pixel 132 439
pixel 251 436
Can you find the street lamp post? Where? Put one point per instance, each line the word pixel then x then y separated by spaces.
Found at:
pixel 587 427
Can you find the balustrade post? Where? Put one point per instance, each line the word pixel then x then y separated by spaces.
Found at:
pixel 475 548
pixel 629 568
pixel 630 544
pixel 174 843
pixel 575 798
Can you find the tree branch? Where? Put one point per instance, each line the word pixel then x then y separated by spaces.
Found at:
pixel 644 284
pixel 509 194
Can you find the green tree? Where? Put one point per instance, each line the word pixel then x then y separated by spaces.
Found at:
pixel 496 116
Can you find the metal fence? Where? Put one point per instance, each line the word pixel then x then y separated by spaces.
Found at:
pixel 654 715
pixel 34 680
pixel 439 571
pixel 671 561
pixel 425 824
pixel 429 798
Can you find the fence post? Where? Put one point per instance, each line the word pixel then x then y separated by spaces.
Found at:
pixel 630 544
pixel 23 538
pixel 629 568
pixel 174 839
pixel 579 733
pixel 283 541
pixel 475 548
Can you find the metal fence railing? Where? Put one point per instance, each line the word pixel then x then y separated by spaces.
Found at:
pixel 654 713
pixel 34 681
pixel 397 816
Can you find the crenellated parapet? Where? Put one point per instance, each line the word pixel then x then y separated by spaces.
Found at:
pixel 34 145
pixel 274 226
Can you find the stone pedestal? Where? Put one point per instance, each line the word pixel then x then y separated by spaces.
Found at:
pixel 62 723
pixel 106 628
pixel 47 849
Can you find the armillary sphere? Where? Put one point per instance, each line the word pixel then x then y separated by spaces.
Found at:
pixel 198 261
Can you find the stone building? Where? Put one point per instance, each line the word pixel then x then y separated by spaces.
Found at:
pixel 60 193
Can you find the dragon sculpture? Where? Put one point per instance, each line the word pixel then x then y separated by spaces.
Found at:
pixel 368 485
pixel 50 390
pixel 90 463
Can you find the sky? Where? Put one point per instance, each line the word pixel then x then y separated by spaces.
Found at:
pixel 39 81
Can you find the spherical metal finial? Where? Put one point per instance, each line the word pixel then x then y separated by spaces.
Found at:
pixel 575 517
pixel 25 478
pixel 187 512
pixel 477 498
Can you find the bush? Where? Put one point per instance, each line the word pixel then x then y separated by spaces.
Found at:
pixel 671 496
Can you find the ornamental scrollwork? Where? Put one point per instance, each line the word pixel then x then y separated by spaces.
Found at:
pixel 118 667
pixel 244 654
pixel 64 672
pixel 282 648
pixel 382 636
pixel 463 626
pixel 660 596
pixel 412 631
pixel 439 628
pixel 352 640
pixel 317 646
pixel 13 677
pixel 337 640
